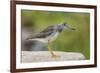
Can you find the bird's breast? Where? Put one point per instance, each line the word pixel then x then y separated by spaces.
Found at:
pixel 53 36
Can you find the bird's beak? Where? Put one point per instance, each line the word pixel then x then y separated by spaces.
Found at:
pixel 70 28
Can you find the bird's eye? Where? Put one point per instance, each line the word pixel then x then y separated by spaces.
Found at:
pixel 64 24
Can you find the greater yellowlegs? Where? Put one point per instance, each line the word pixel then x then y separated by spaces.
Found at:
pixel 49 34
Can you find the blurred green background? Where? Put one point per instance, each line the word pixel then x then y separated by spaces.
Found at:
pixel 68 41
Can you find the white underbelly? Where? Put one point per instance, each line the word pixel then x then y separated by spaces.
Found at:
pixel 40 40
pixel 52 37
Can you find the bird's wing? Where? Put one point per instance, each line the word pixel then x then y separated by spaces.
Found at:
pixel 46 32
pixel 43 35
pixel 48 29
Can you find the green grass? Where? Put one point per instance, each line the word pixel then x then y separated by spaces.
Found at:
pixel 68 41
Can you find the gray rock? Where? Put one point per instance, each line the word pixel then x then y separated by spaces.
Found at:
pixel 45 56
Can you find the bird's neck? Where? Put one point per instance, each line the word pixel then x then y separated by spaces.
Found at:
pixel 59 30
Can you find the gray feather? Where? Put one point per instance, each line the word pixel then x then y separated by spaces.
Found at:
pixel 46 32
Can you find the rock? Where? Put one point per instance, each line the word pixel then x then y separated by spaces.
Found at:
pixel 45 56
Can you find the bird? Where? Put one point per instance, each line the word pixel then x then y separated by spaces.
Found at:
pixel 49 34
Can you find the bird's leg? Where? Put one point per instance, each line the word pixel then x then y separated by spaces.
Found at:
pixel 49 48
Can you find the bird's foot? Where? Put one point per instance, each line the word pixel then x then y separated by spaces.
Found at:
pixel 55 56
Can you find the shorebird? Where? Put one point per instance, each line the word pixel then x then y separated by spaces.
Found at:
pixel 50 34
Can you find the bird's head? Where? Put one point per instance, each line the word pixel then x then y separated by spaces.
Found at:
pixel 67 26
pixel 64 26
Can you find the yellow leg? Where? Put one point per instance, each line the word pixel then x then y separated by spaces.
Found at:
pixel 53 55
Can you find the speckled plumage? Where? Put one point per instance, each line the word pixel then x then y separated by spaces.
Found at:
pixel 50 33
